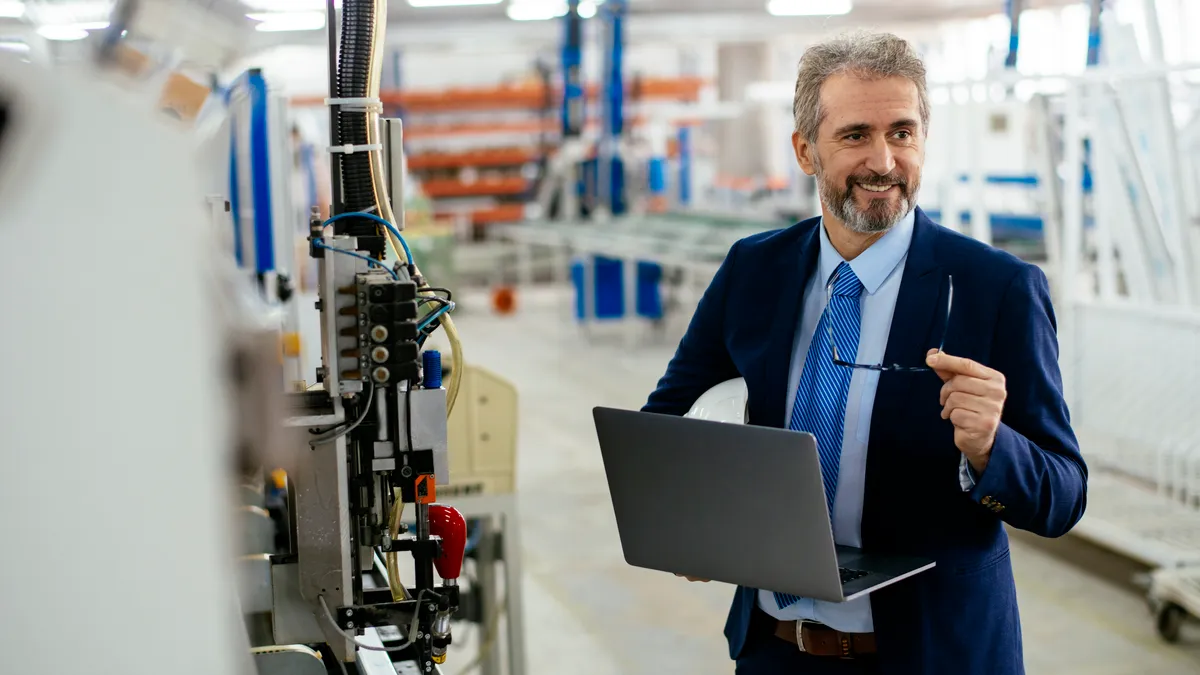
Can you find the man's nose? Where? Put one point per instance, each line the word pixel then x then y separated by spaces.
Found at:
pixel 881 160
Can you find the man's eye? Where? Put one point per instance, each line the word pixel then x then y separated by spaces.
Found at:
pixel 854 137
pixel 903 135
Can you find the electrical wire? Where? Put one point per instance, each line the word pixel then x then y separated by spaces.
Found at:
pixel 439 289
pixel 434 317
pixel 456 367
pixel 372 217
pixel 429 299
pixel 408 641
pixel 321 440
pixel 360 256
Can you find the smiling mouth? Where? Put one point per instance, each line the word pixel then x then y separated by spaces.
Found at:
pixel 876 188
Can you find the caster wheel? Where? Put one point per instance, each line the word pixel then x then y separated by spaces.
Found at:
pixel 1169 622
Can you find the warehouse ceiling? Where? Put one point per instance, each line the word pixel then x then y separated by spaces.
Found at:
pixel 673 20
pixel 215 32
pixel 868 10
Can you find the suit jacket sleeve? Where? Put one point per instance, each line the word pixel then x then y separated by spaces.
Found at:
pixel 1036 479
pixel 701 360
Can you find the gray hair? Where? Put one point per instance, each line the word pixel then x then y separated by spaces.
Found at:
pixel 863 54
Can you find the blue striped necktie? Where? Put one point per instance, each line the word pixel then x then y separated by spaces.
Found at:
pixel 820 407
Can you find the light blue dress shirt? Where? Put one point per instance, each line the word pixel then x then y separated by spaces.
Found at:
pixel 880 269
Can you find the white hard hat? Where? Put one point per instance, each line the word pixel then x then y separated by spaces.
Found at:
pixel 725 402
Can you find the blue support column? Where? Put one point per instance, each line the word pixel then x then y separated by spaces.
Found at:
pixel 685 165
pixel 250 173
pixel 611 166
pixel 574 100
pixel 1093 55
pixel 1013 8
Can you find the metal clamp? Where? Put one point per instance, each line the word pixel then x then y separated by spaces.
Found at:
pixel 365 104
pixel 351 149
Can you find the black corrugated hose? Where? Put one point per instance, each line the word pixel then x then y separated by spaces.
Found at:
pixel 354 67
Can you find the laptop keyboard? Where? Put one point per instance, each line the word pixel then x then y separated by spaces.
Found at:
pixel 850 575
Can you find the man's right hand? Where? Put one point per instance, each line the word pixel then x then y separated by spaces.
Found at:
pixel 692 578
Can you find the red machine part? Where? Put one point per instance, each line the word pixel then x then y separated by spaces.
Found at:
pixel 447 523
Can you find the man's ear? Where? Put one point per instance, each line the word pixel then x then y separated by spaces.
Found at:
pixel 805 154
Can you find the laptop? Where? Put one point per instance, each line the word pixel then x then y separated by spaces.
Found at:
pixel 734 503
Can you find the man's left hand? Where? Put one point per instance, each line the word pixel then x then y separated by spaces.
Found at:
pixel 972 399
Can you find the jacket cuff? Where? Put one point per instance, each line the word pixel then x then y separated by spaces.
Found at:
pixel 966 475
pixel 989 489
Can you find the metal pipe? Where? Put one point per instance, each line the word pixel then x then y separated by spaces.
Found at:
pixel 423 566
pixel 381 410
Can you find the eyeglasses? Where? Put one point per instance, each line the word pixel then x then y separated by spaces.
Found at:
pixel 894 368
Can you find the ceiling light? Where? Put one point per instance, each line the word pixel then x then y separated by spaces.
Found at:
pixel 451 3
pixel 64 33
pixel 536 10
pixel 808 7
pixel 289 5
pixel 12 9
pixel 273 22
pixel 544 10
pixel 72 13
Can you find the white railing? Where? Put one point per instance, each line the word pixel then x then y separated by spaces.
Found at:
pixel 1132 377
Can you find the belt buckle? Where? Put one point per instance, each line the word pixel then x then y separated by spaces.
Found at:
pixel 800 634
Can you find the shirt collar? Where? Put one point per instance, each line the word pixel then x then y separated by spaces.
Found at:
pixel 874 265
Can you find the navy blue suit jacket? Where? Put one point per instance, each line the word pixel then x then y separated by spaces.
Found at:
pixel 960 618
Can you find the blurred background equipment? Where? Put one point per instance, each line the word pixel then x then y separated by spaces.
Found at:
pixel 281 220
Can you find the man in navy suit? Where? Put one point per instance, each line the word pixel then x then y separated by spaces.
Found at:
pixel 925 363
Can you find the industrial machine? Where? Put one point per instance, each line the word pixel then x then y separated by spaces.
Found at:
pixel 369 439
pixel 334 556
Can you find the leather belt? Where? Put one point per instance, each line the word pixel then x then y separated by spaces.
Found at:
pixel 821 640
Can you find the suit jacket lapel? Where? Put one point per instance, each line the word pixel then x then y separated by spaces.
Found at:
pixel 916 328
pixel 792 271
pixel 917 315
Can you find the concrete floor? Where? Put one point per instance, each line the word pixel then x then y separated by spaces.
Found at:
pixel 588 613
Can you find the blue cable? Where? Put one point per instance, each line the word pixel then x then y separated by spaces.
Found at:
pixel 381 221
pixel 433 317
pixel 360 256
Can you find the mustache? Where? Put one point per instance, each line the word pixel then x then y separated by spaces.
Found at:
pixel 876 179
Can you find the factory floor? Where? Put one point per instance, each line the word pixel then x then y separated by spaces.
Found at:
pixel 588 613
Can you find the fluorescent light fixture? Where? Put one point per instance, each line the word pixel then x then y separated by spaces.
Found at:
pixel 544 10
pixel 809 7
pixel 63 33
pixel 12 9
pixel 12 46
pixel 536 10
pixel 273 22
pixel 289 5
pixel 451 3
pixel 68 13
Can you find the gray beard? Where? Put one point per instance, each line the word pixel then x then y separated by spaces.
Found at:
pixel 873 220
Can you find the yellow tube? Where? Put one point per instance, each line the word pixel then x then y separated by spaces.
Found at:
pixel 392 559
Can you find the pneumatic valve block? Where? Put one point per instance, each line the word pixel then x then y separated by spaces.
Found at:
pixel 387 339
